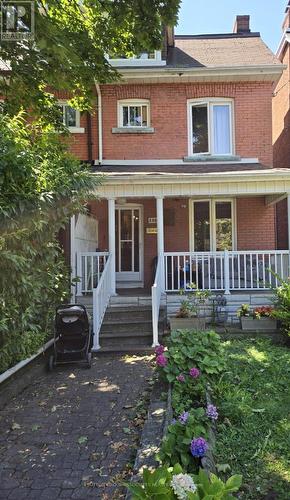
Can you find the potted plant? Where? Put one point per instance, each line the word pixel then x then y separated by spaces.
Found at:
pixel 192 312
pixel 259 319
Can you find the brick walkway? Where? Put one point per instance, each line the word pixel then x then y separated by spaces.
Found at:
pixel 71 433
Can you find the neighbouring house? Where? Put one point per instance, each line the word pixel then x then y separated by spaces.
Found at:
pixel 281 125
pixel 184 144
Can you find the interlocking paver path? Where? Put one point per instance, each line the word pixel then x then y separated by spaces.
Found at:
pixel 71 434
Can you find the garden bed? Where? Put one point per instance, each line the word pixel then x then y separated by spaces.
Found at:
pixel 253 398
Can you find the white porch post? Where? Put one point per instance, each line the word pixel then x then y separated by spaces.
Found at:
pixel 112 242
pixel 227 272
pixel 160 235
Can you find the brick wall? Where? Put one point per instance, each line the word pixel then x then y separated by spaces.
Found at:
pixel 253 119
pixel 281 139
pixel 168 105
pixel 255 224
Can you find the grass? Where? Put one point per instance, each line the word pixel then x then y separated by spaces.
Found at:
pixel 253 397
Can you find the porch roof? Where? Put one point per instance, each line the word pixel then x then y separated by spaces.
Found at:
pixel 193 180
pixel 186 168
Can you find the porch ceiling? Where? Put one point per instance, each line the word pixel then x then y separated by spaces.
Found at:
pixel 192 180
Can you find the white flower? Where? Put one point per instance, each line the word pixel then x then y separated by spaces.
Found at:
pixel 181 485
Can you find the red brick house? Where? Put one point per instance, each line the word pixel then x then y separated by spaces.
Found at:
pixel 189 192
pixel 281 124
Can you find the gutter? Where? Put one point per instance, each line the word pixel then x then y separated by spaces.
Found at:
pixel 100 123
pixel 218 70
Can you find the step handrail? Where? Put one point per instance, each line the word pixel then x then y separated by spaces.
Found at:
pixel 156 292
pixel 101 298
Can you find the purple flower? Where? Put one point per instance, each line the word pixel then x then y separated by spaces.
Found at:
pixel 183 417
pixel 198 447
pixel 159 350
pixel 161 360
pixel 180 378
pixel 211 412
pixel 194 372
pixel 173 421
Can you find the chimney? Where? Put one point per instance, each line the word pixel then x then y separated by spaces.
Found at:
pixel 242 24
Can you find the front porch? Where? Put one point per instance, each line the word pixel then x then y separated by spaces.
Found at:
pixel 224 241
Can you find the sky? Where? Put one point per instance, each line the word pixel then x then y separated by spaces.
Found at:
pixel 217 16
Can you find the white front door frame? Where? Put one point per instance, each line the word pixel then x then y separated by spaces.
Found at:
pixel 131 277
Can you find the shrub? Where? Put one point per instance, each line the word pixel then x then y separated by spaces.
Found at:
pixel 176 445
pixel 171 483
pixel 282 304
pixel 199 349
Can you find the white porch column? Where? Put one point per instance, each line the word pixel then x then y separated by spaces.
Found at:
pixel 160 234
pixel 112 242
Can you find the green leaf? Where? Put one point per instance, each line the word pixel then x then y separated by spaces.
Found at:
pixel 234 482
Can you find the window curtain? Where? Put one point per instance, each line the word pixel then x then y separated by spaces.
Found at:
pixel 221 130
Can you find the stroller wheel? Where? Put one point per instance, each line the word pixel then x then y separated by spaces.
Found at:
pixel 89 360
pixel 50 363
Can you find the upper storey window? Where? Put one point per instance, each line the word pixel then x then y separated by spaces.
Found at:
pixel 142 59
pixel 133 113
pixel 211 127
pixel 70 117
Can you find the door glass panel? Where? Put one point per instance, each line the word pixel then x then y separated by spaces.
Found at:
pixel 136 241
pixel 126 256
pixel 126 224
pixel 201 226
pixel 224 225
pixel 199 129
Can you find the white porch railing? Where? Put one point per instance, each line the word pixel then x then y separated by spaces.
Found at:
pixel 90 266
pixel 235 270
pixel 101 297
pixel 156 293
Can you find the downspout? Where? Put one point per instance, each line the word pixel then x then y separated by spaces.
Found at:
pixel 89 137
pixel 100 123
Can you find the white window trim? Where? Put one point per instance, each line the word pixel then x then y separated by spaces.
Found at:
pixel 210 102
pixel 212 219
pixel 143 61
pixel 77 129
pixel 132 102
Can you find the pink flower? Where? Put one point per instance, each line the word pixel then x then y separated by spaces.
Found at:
pixel 159 350
pixel 161 360
pixel 180 378
pixel 194 372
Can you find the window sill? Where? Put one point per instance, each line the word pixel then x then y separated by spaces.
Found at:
pixel 206 157
pixel 133 130
pixel 76 130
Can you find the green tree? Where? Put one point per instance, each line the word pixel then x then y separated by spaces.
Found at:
pixel 41 186
pixel 72 40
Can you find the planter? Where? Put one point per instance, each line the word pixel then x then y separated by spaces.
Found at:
pixel 258 325
pixel 187 323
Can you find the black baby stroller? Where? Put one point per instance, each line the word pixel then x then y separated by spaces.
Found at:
pixel 72 336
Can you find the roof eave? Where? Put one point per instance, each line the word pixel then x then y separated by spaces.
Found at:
pixel 281 174
pixel 269 69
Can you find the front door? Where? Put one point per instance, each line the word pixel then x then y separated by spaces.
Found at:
pixel 129 244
